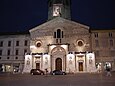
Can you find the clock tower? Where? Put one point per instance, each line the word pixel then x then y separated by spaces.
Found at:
pixel 59 8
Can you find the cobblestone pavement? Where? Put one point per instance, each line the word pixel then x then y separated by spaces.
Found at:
pixel 79 79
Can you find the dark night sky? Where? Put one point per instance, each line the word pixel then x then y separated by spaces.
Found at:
pixel 22 15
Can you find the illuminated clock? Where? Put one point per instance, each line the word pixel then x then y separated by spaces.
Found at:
pixel 56 10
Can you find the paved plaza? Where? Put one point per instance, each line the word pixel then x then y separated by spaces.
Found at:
pixel 79 79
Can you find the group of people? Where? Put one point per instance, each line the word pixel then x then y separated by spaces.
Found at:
pixel 107 69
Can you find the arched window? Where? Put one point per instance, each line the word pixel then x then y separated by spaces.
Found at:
pixel 58 33
pixel 54 34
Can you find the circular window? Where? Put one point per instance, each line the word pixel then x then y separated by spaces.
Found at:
pixel 80 43
pixel 38 44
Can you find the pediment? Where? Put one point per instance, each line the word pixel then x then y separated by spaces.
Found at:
pixel 66 25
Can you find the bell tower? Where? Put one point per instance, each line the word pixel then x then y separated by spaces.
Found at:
pixel 59 8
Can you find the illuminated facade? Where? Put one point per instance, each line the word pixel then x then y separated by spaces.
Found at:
pixel 60 43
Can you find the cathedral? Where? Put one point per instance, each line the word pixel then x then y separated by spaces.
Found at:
pixel 58 44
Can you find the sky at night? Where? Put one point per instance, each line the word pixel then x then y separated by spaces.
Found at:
pixel 23 15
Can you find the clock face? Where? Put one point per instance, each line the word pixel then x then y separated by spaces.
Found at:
pixel 56 11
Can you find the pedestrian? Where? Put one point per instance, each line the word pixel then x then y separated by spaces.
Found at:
pixel 99 68
pixel 108 71
pixel 46 70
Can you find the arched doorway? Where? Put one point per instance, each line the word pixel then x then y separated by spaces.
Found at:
pixel 58 64
pixel 58 59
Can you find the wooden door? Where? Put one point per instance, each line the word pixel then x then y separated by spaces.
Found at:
pixel 80 66
pixel 58 64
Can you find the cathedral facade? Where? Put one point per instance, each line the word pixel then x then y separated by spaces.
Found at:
pixel 60 44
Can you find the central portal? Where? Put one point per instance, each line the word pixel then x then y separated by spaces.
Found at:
pixel 58 58
pixel 58 64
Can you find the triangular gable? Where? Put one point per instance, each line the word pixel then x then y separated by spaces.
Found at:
pixel 58 22
pixel 69 27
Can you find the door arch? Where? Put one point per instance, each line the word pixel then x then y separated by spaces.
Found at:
pixel 58 64
pixel 58 59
